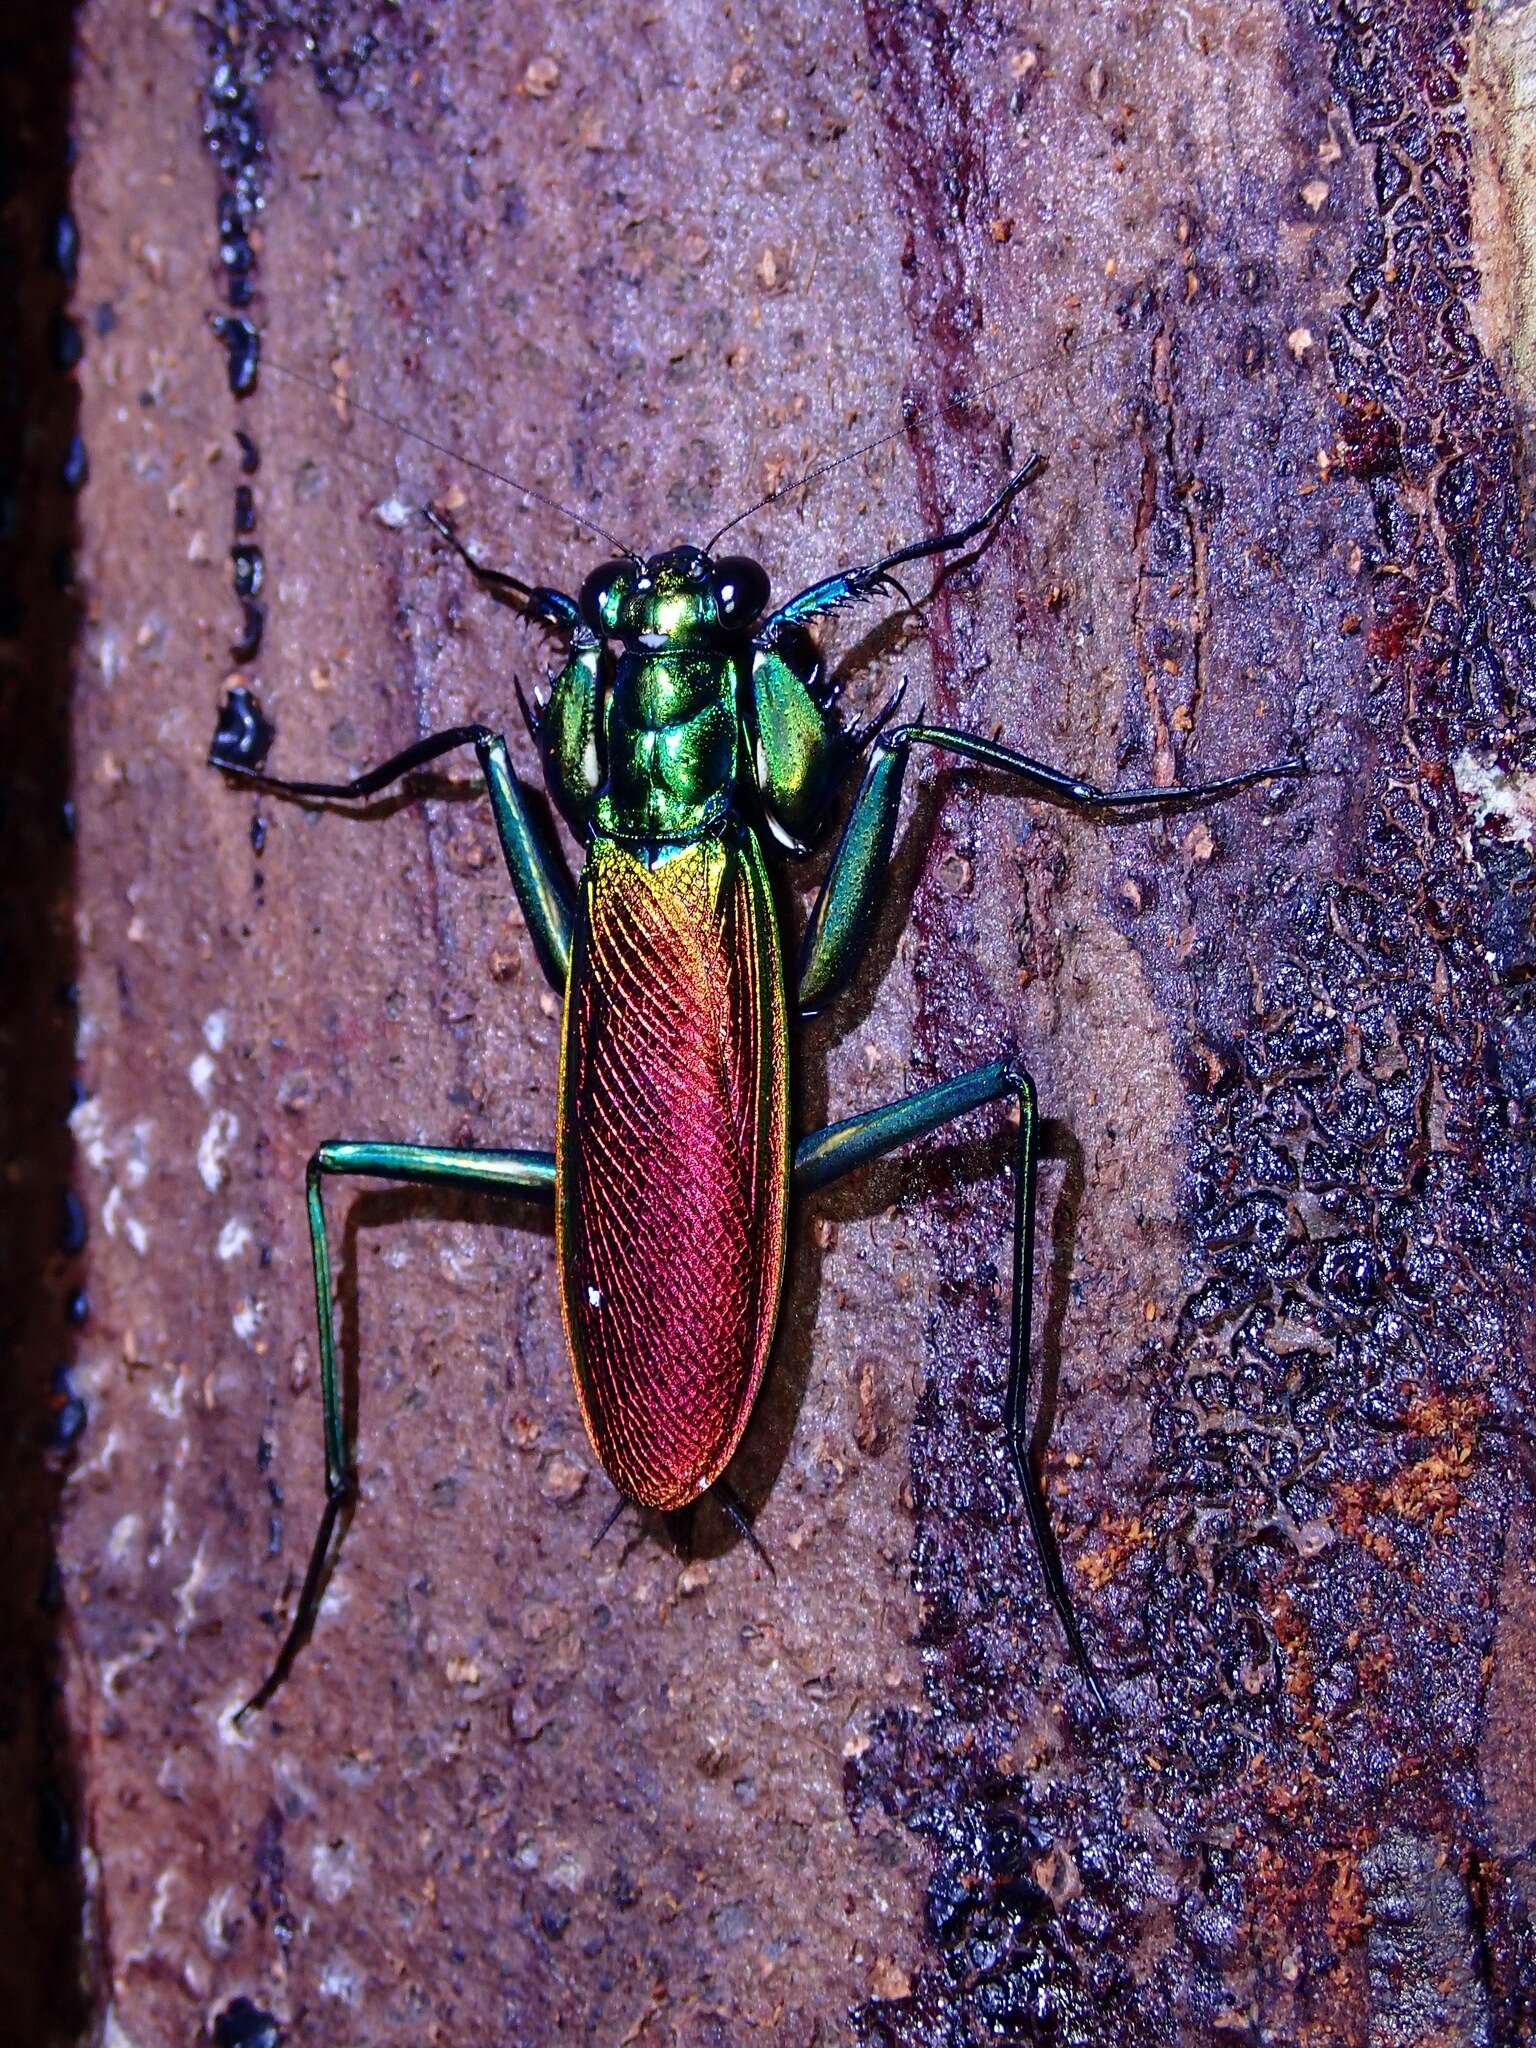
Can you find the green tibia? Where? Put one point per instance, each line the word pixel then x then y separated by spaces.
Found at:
pixel 800 754
pixel 839 927
pixel 568 731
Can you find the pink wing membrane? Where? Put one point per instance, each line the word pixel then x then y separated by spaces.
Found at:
pixel 672 1158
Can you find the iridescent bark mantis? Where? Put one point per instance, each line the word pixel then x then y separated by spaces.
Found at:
pixel 689 728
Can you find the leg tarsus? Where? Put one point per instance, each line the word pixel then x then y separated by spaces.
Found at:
pixel 500 582
pixel 546 607
pixel 735 1513
pixel 870 579
pixel 972 529
pixel 1051 782
pixel 1016 1405
pixel 418 755
pixel 337 1512
pixel 1049 1554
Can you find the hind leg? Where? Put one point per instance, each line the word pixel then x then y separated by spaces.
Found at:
pixel 511 1173
pixel 840 1148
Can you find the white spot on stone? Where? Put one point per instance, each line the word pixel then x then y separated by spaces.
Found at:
pixel 229 1728
pixel 234 1239
pixel 459 1259
pixel 88 1128
pixel 142 1649
pixel 333 1866
pixel 170 1514
pixel 124 1536
pixel 169 1401
pixel 215 1029
pixel 136 1234
pixel 221 1916
pixel 136 1154
pixel 101 1464
pixel 114 2034
pixel 569 1871
pixel 394 513
pixel 339 1980
pixel 1502 805
pixel 190 1587
pixel 200 1074
pixel 248 1319
pixel 213 1148
pixel 112 1211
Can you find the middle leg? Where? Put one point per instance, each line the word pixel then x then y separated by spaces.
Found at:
pixel 840 925
pixel 531 860
pixel 838 1149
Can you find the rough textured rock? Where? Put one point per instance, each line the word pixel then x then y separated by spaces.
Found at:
pixel 1229 262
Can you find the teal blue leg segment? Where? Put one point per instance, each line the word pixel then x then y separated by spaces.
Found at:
pixel 874 579
pixel 547 607
pixel 827 1154
pixel 837 936
pixel 838 933
pixel 506 1173
pixel 541 889
pixel 531 861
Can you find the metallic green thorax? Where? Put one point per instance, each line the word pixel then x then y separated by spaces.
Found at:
pixel 649 741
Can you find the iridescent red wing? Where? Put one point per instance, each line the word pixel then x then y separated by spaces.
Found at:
pixel 672 1158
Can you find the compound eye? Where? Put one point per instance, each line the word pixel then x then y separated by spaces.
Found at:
pixel 741 590
pixel 603 595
